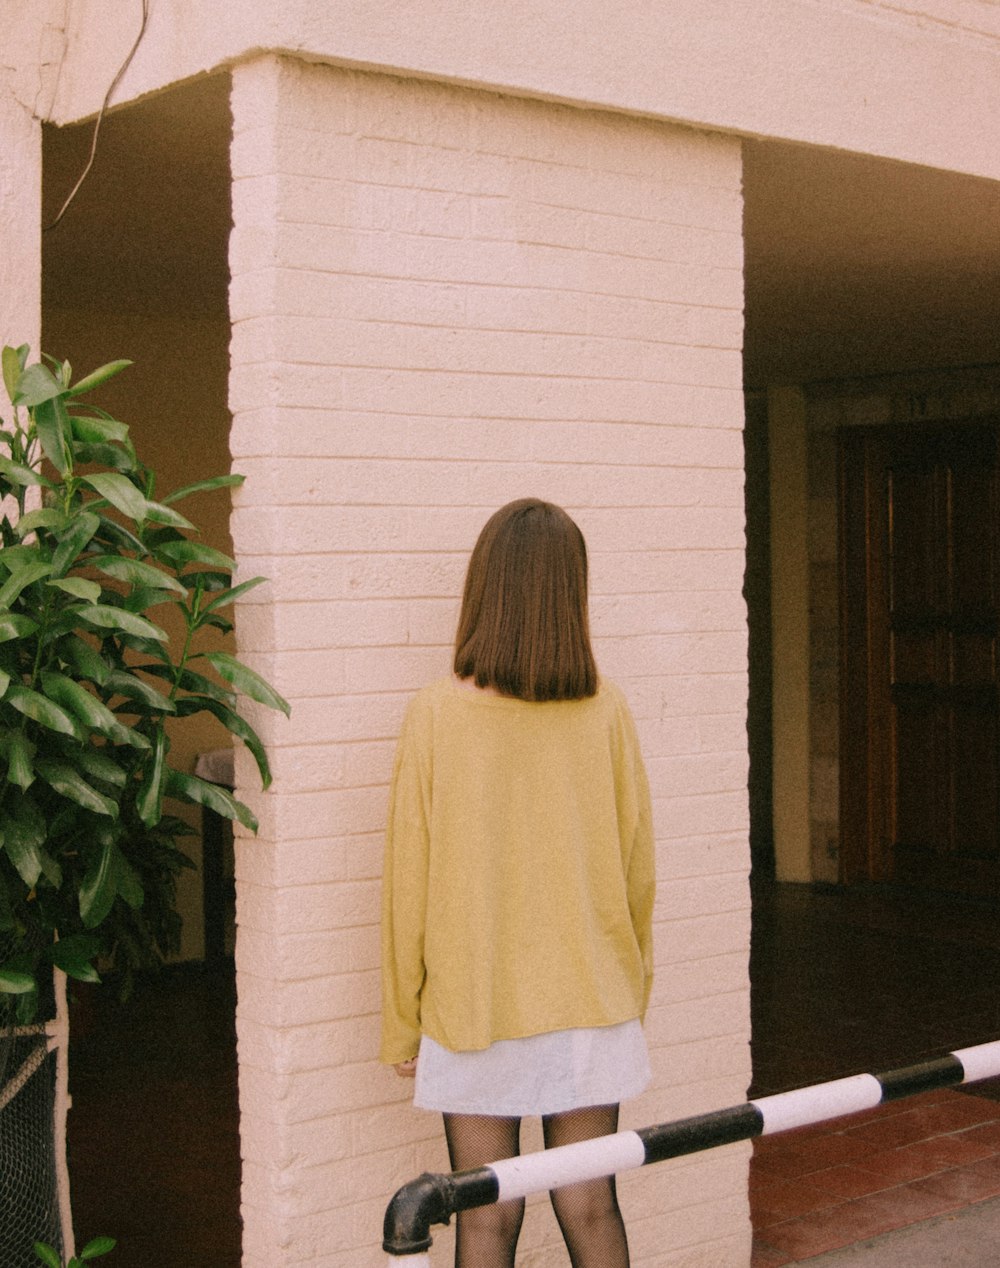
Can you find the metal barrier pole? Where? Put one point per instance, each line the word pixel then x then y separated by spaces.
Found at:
pixel 433 1199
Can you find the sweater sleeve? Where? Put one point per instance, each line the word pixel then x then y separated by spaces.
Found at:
pixel 641 879
pixel 404 896
pixel 640 874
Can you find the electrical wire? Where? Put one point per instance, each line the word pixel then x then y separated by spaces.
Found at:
pixel 100 115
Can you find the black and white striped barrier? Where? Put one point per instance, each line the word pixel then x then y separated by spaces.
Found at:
pixel 433 1199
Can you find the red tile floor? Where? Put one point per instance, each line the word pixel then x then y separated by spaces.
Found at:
pixel 842 983
pixel 848 983
pixel 820 1188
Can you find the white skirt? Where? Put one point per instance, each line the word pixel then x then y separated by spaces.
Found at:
pixel 542 1074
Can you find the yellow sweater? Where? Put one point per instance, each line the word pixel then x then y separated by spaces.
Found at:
pixel 518 883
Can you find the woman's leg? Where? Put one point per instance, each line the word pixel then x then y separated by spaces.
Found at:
pixel 588 1213
pixel 485 1237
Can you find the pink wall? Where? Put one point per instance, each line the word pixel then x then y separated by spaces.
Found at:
pixel 444 299
pixel 917 80
pixel 20 225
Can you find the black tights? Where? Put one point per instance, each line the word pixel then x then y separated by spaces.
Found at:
pixel 588 1213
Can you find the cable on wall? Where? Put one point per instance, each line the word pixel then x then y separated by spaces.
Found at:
pixel 100 115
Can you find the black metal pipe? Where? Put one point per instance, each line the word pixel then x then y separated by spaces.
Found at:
pixel 433 1199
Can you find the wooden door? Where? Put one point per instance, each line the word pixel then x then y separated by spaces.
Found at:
pixel 920 795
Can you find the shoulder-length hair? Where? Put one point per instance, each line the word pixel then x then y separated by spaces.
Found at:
pixel 523 629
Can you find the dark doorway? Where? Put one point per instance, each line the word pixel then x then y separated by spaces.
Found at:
pixel 138 268
pixel 919 605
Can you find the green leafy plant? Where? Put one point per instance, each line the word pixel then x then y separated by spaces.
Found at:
pixel 93 1250
pixel 88 680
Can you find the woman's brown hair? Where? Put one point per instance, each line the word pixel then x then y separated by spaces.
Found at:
pixel 523 628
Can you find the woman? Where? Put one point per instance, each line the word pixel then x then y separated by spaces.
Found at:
pixel 518 885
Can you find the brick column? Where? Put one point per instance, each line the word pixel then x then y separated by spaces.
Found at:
pixel 442 300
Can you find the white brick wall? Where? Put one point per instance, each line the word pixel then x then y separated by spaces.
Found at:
pixel 444 299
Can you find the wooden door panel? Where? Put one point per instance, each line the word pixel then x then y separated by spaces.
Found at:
pixel 973 764
pixel 919 598
pixel 973 573
pixel 912 656
pixel 974 660
pixel 911 523
pixel 915 796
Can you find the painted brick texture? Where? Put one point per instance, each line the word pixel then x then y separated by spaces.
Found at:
pixel 444 299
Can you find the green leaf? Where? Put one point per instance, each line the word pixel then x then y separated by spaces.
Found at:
pixel 205 486
pixel 20 556
pixel 135 572
pixel 217 622
pixel 13 982
pixel 52 425
pixel 13 364
pixel 7 921
pixel 98 376
pixel 191 681
pixel 119 535
pixel 47 1255
pixel 104 616
pixel 80 530
pixel 120 492
pixel 234 724
pixel 87 662
pixel 210 582
pixel 43 517
pixel 98 765
pixel 70 783
pixel 180 551
pixel 116 457
pixel 98 431
pixel 244 679
pixel 4 682
pixel 221 600
pixel 191 788
pixel 154 536
pixel 21 579
pixel 26 1007
pixel 36 384
pixel 159 513
pixel 146 647
pixel 92 712
pixel 18 473
pixel 78 587
pixel 99 887
pixel 99 1246
pixel 51 870
pixel 14 557
pixel 150 800
pixel 74 954
pixel 129 884
pixel 143 598
pixel 14 625
pixel 24 839
pixel 20 754
pixel 41 710
pixel 133 688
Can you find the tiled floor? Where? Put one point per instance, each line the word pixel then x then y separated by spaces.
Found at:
pixel 820 1188
pixel 845 984
pixel 841 984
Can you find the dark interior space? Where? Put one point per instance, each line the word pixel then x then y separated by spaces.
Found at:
pixel 153 1132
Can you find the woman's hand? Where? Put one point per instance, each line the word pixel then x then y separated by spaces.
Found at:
pixel 407 1069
